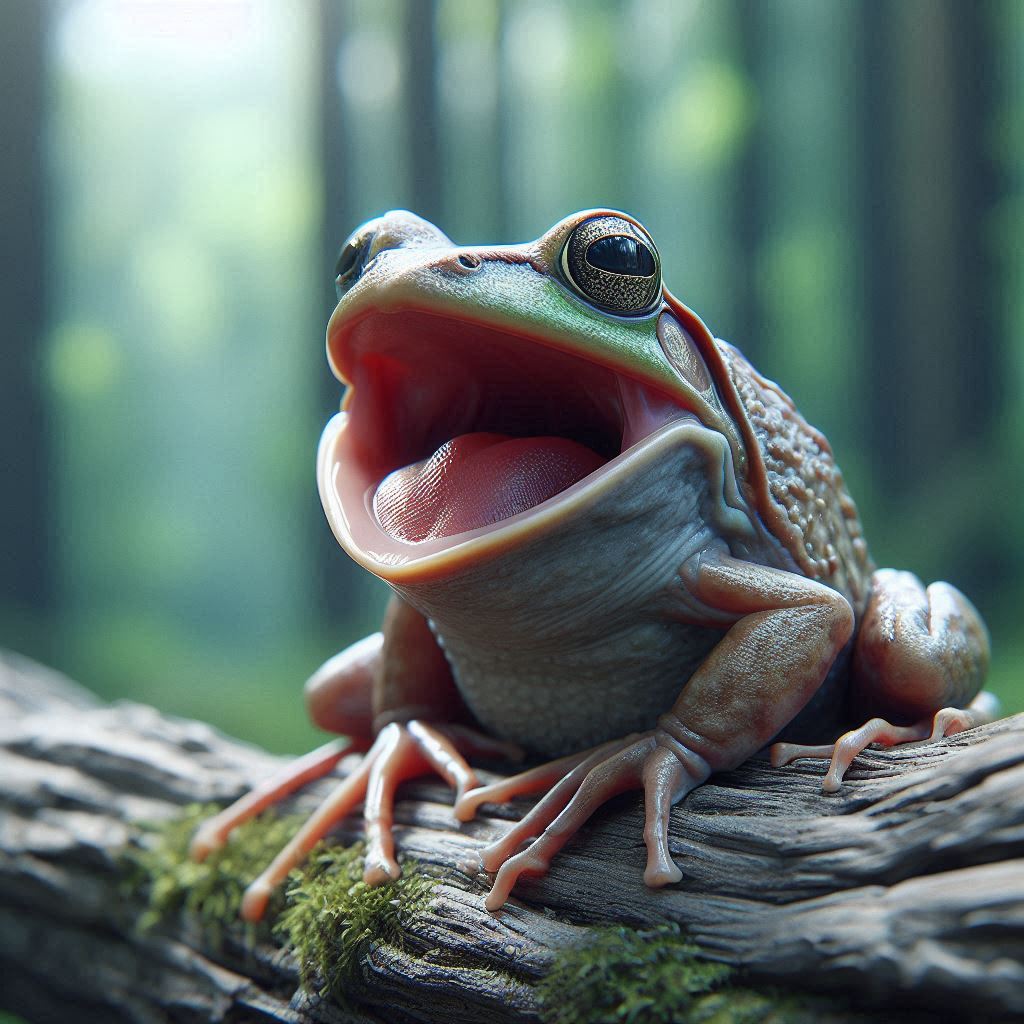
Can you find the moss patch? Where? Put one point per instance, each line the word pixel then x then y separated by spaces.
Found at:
pixel 211 892
pixel 622 976
pixel 332 916
pixel 331 919
pixel 626 976
pixel 326 913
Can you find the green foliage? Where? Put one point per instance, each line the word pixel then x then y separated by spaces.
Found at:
pixel 627 976
pixel 212 891
pixel 331 919
pixel 332 916
pixel 327 914
pixel 751 1006
pixel 623 976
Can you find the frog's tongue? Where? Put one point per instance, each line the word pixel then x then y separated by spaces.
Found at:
pixel 478 479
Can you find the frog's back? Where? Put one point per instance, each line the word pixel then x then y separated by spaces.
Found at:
pixel 795 485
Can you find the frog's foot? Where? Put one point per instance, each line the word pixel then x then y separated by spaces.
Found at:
pixel 400 752
pixel 578 786
pixel 945 722
pixel 213 833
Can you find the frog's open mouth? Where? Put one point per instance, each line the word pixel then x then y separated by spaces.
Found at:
pixel 452 430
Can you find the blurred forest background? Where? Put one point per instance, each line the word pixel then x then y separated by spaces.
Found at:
pixel 837 187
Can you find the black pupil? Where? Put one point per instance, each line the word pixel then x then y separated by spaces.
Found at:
pixel 620 254
pixel 347 258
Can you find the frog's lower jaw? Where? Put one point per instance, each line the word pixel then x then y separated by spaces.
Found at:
pixel 456 441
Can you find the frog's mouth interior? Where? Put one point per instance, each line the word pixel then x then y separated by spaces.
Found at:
pixel 454 427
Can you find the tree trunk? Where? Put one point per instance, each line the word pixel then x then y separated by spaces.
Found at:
pixel 906 888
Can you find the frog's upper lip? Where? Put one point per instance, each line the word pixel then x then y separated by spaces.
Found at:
pixel 419 378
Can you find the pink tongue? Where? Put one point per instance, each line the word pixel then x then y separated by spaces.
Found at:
pixel 477 479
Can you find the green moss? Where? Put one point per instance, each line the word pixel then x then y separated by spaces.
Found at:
pixel 211 892
pixel 326 913
pixel 331 919
pixel 623 976
pixel 749 1006
pixel 332 916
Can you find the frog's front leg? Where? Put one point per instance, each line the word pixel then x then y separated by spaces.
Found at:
pixel 918 666
pixel 396 685
pixel 786 632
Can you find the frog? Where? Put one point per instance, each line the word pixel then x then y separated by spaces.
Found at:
pixel 614 548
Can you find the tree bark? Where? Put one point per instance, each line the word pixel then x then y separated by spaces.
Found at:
pixel 906 888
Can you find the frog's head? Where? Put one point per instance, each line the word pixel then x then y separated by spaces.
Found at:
pixel 493 392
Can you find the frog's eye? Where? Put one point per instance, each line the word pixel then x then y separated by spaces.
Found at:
pixel 351 261
pixel 613 263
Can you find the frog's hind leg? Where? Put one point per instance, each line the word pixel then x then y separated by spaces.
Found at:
pixel 385 685
pixel 945 722
pixel 785 632
pixel 919 662
pixel 338 698
pixel 400 752
pixel 397 673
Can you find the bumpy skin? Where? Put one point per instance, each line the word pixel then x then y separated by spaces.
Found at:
pixel 705 592
pixel 796 485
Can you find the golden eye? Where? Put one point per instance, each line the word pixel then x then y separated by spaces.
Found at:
pixel 613 263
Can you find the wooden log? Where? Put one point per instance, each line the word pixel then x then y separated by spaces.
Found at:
pixel 904 889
